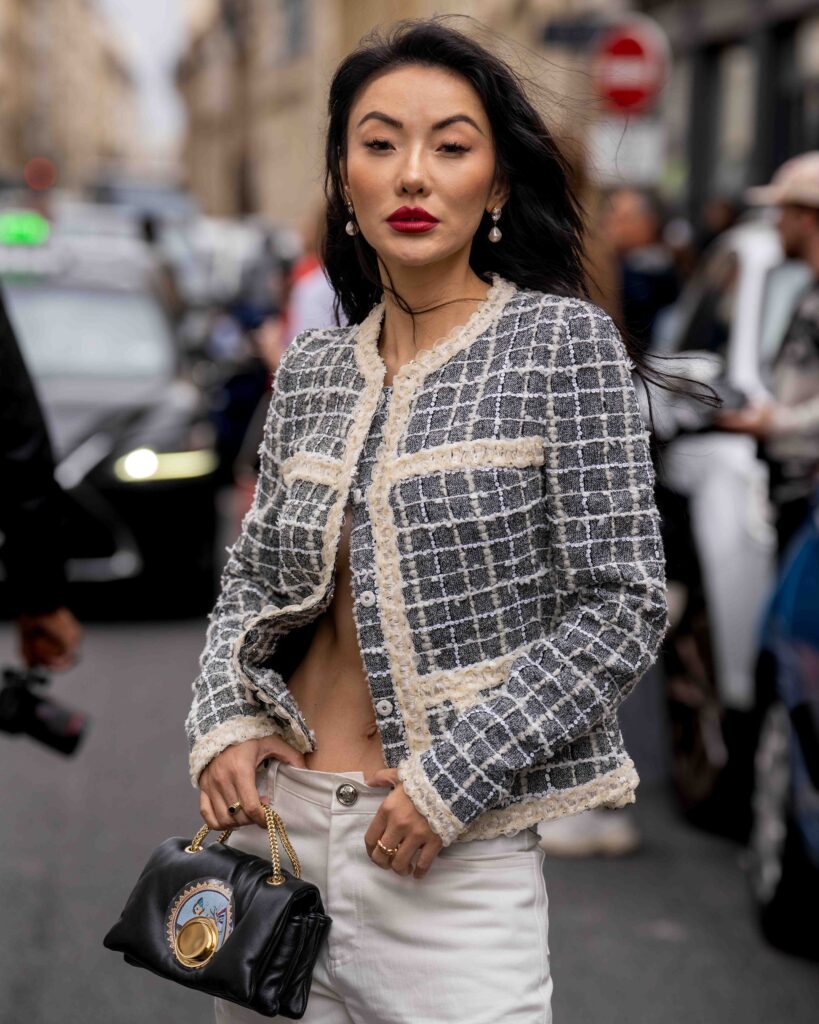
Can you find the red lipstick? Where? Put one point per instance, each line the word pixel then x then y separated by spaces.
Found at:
pixel 411 220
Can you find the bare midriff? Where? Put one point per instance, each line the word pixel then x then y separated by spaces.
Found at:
pixel 330 683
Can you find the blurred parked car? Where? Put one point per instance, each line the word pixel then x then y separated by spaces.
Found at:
pixel 783 848
pixel 134 448
pixel 713 493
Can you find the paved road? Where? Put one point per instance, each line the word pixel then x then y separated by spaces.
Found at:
pixel 663 936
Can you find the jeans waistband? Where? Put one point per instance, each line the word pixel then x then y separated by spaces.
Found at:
pixel 331 791
pixel 323 788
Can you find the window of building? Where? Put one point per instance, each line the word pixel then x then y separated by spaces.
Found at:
pixel 736 118
pixel 294 38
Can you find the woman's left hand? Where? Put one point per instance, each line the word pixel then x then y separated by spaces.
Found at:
pixel 399 823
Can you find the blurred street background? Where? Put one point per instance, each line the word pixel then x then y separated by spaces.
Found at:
pixel 160 211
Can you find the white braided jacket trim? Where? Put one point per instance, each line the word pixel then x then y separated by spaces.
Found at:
pixel 416 694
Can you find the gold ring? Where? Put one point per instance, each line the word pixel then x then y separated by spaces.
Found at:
pixel 233 808
pixel 389 850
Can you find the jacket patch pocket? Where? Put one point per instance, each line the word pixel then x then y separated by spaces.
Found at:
pixel 466 516
pixel 311 489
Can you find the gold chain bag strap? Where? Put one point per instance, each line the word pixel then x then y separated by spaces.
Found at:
pixel 215 919
pixel 276 832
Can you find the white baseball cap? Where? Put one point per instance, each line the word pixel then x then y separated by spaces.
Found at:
pixel 796 181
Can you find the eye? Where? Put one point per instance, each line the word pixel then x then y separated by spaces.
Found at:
pixel 377 144
pixel 454 147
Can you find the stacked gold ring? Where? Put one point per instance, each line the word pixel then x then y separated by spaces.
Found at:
pixel 389 850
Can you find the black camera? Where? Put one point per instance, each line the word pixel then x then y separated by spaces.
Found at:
pixel 23 710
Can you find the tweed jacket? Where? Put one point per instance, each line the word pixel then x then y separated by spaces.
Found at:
pixel 507 568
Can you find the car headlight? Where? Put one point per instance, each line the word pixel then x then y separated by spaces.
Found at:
pixel 146 465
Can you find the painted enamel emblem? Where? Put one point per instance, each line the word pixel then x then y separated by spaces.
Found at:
pixel 199 921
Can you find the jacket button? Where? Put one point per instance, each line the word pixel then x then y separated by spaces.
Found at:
pixel 367 598
pixel 384 707
pixel 347 794
pixel 358 495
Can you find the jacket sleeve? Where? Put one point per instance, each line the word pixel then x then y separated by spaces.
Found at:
pixel 32 505
pixel 222 711
pixel 609 577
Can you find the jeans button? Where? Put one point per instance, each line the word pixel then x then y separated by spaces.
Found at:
pixel 347 794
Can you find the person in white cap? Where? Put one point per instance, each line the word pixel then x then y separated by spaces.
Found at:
pixel 788 425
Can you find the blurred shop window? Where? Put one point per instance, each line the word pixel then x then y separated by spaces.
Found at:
pixel 709 327
pixel 737 69
pixel 783 286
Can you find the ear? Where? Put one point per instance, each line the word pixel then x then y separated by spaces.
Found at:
pixel 499 195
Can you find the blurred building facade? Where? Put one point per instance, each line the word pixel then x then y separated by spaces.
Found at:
pixel 66 92
pixel 254 82
pixel 744 94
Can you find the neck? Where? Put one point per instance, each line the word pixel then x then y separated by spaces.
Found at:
pixel 443 296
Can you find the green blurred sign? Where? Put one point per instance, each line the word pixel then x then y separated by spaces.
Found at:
pixel 23 227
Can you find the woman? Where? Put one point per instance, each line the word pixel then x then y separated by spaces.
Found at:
pixel 452 571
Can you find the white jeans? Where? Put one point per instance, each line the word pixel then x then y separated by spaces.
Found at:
pixel 466 944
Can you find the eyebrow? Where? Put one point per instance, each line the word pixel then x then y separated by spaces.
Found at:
pixel 447 121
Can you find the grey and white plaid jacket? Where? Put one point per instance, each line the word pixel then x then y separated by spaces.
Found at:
pixel 508 572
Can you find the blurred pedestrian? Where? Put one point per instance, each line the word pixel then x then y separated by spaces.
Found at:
pixel 719 214
pixel 787 425
pixel 164 269
pixel 311 297
pixel 308 295
pixel 31 518
pixel 632 223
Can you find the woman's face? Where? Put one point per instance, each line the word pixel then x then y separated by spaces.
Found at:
pixel 420 165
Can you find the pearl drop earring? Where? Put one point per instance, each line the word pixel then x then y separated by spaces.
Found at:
pixel 351 227
pixel 495 235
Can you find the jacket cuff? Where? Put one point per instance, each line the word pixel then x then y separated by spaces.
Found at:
pixel 413 773
pixel 235 730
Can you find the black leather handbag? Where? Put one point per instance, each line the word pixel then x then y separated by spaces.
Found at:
pixel 213 918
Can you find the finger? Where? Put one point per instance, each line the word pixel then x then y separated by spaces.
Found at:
pixel 220 798
pixel 402 861
pixel 206 810
pixel 429 851
pixel 276 746
pixel 224 784
pixel 249 797
pixel 383 777
pixel 377 828
pixel 391 839
pixel 28 652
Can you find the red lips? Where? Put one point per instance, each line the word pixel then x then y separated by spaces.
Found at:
pixel 414 214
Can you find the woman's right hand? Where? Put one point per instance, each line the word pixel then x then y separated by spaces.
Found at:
pixel 231 776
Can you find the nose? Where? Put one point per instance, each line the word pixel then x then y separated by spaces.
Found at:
pixel 412 178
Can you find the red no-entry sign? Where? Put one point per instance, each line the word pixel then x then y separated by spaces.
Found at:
pixel 630 65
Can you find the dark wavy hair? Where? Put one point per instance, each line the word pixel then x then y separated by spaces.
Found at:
pixel 543 220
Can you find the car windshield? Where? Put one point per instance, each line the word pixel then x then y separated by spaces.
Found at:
pixel 96 333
